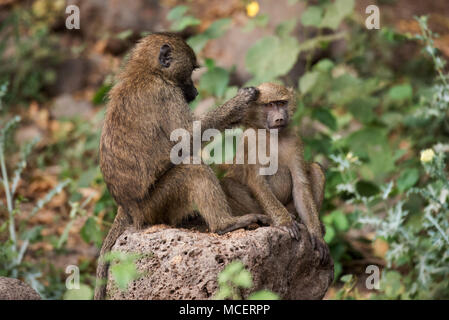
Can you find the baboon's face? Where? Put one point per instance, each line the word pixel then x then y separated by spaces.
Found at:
pixel 167 56
pixel 189 90
pixel 178 63
pixel 276 114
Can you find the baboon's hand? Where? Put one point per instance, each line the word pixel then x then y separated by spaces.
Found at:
pixel 248 94
pixel 292 228
pixel 322 248
pixel 245 221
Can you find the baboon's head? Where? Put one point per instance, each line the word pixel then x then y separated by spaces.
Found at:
pixel 273 109
pixel 168 56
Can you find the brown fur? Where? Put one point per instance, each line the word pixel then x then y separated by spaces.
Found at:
pixel 296 189
pixel 149 101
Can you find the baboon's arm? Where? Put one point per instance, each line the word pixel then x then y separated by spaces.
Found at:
pixel 229 114
pixel 302 192
pixel 306 206
pixel 270 204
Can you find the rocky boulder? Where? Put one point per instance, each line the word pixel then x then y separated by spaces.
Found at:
pixel 13 289
pixel 180 263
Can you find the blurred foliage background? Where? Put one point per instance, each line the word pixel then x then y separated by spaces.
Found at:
pixel 372 108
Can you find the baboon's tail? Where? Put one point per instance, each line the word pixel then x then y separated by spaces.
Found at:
pixel 121 221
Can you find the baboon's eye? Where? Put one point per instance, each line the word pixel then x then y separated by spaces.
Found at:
pixel 282 103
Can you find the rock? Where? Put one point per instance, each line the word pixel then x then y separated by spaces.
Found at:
pixel 13 289
pixel 184 263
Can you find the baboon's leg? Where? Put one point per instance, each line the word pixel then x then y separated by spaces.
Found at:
pixel 121 221
pixel 317 182
pixel 239 198
pixel 184 186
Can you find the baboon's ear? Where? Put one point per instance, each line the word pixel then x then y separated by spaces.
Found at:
pixel 165 56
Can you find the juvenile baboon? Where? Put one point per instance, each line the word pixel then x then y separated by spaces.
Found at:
pixel 149 101
pixel 297 188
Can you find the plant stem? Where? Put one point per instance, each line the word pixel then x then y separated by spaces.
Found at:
pixel 12 228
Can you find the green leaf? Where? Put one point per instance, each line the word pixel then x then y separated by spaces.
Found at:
pixel 346 278
pixel 177 12
pixel 407 179
pixel 401 92
pixel 347 88
pixel 224 292
pixel 87 177
pixel 330 234
pixel 381 162
pixel 218 28
pixel 327 219
pixel 65 235
pixel 215 81
pixel 325 116
pixel 215 30
pixel 392 119
pixel 324 65
pixel 362 108
pixel 286 27
pixel 124 34
pixel 180 21
pixel 391 284
pixel 336 12
pixel 307 81
pixel 319 41
pixel 230 271
pixel 312 16
pixel 271 57
pixel 340 220
pixel 243 279
pixel 357 141
pixel 185 22
pixel 32 234
pixel 6 131
pixel 123 273
pixel 83 293
pixel 198 42
pixel 101 95
pixel 91 232
pixel 223 277
pixel 338 268
pixel 121 256
pixel 230 92
pixel 234 267
pixel 209 63
pixel 366 188
pixel 263 295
